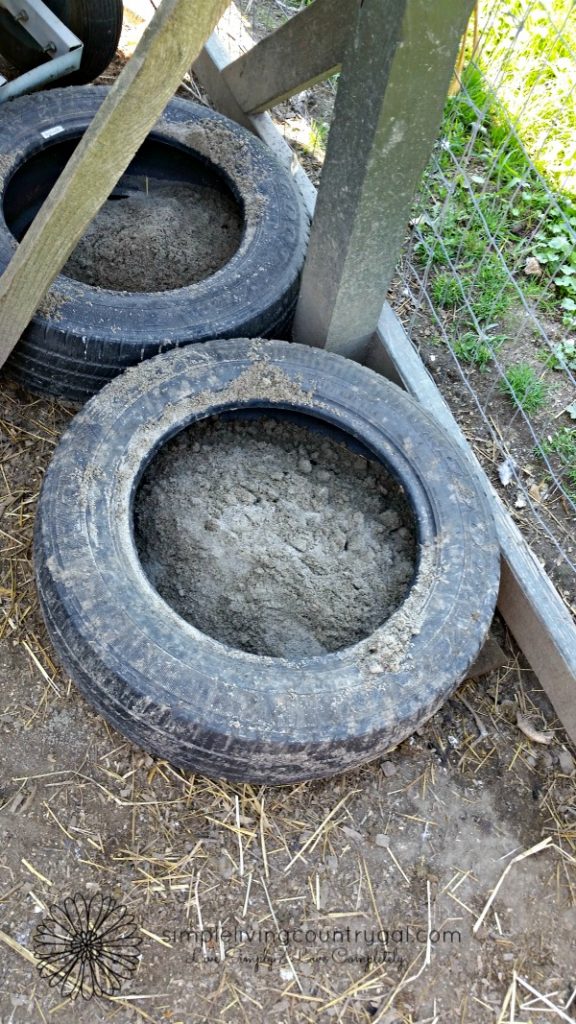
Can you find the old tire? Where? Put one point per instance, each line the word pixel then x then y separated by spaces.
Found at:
pixel 98 23
pixel 83 336
pixel 184 696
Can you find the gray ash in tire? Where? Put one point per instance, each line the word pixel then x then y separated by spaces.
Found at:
pixel 152 236
pixel 272 538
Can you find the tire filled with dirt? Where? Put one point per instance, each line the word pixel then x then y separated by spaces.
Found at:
pixel 97 23
pixel 263 562
pixel 204 236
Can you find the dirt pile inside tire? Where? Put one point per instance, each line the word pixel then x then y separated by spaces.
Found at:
pixel 219 710
pixel 84 335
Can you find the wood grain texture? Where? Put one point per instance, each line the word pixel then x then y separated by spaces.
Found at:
pixel 208 69
pixel 171 42
pixel 530 604
pixel 306 49
pixel 395 77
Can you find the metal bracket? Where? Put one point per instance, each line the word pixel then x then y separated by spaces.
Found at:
pixel 54 38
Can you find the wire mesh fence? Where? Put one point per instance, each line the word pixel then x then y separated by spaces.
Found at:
pixel 487 283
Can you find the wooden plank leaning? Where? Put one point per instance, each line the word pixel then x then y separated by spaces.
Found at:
pixel 170 44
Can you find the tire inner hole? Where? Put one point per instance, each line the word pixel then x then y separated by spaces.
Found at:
pixel 171 221
pixel 275 535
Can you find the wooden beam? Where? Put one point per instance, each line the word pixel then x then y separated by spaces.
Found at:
pixel 306 49
pixel 208 68
pixel 530 604
pixel 170 44
pixel 395 77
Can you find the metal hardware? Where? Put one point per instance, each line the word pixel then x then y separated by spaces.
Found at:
pixel 55 39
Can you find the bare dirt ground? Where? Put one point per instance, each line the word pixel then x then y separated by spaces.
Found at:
pixel 546 520
pixel 306 903
pixel 357 899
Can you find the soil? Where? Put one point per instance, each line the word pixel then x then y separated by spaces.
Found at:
pixel 260 935
pixel 501 431
pixel 258 904
pixel 307 903
pixel 274 539
pixel 153 236
pixel 493 427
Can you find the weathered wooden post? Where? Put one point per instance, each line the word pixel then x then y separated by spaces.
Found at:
pixel 395 77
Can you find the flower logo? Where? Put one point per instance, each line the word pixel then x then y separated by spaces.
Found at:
pixel 87 947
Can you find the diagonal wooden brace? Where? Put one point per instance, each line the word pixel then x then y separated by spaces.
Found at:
pixel 170 44
pixel 303 51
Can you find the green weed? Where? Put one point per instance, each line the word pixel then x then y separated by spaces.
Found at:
pixel 555 249
pixel 446 290
pixel 563 445
pixel 528 391
pixel 562 357
pixel 541 296
pixel 471 348
pixel 318 136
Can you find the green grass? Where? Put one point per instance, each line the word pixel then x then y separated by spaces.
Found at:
pixel 527 390
pixel 528 53
pixel 540 296
pixel 480 227
pixel 318 135
pixel 478 350
pixel 563 445
pixel 528 57
pixel 446 290
pixel 562 357
pixel 491 293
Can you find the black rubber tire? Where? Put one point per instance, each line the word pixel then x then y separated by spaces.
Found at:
pixel 83 336
pixel 184 696
pixel 98 23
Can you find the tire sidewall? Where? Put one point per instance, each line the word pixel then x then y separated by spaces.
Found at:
pixel 97 23
pixel 189 698
pixel 94 333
